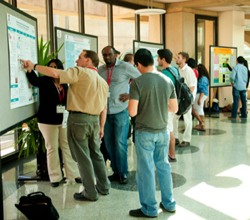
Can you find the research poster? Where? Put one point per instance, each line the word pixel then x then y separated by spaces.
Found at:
pixel 70 44
pixel 73 47
pixel 22 45
pixel 220 59
pixel 152 47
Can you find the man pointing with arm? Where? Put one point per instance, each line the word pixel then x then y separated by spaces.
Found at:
pixel 86 103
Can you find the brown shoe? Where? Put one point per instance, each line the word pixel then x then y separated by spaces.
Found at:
pixel 184 144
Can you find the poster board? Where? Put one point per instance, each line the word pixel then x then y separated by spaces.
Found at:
pixel 219 72
pixel 152 47
pixel 73 44
pixel 18 34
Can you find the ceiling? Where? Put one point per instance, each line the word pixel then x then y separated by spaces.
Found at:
pixel 210 5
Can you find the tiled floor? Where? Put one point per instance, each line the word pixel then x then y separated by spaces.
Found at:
pixel 211 181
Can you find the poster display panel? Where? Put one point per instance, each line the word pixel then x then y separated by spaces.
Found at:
pixel 152 47
pixel 72 45
pixel 220 58
pixel 18 41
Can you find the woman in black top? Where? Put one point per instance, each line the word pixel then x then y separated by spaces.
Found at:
pixel 50 116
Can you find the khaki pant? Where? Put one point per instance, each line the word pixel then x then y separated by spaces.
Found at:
pixel 55 136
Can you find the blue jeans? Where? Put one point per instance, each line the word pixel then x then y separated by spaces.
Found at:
pixel 236 95
pixel 115 137
pixel 152 149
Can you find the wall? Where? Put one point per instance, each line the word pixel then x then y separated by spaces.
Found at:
pixel 180 32
pixel 154 34
pixel 231 33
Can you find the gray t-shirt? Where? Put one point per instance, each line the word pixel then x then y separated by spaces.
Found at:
pixel 152 90
pixel 122 72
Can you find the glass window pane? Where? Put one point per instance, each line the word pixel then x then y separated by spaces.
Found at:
pixel 124 29
pixel 96 22
pixel 37 10
pixel 205 38
pixel 65 14
pixel 150 28
pixel 7 143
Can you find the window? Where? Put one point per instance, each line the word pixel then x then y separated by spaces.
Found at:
pixel 7 143
pixel 65 14
pixel 206 28
pixel 124 29
pixel 96 22
pixel 36 9
pixel 150 28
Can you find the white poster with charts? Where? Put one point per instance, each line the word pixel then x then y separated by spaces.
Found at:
pixel 73 47
pixel 22 44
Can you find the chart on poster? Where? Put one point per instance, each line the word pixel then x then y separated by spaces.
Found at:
pixel 221 59
pixel 22 45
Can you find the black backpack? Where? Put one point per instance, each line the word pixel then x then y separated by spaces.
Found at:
pixel 184 94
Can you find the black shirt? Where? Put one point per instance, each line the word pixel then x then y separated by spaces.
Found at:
pixel 49 97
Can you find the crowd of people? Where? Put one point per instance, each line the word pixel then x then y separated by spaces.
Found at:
pixel 100 101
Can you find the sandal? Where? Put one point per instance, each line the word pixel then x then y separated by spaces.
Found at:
pixel 199 128
pixel 171 159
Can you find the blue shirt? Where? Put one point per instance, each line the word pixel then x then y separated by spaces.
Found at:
pixel 239 77
pixel 167 73
pixel 121 72
pixel 202 86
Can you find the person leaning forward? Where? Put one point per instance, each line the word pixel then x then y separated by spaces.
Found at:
pixel 86 103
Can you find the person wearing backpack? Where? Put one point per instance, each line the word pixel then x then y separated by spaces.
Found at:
pixel 189 78
pixel 164 62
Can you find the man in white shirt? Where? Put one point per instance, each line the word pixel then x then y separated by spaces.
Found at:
pixel 189 78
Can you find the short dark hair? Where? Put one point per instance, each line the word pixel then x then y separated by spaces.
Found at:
pixel 166 54
pixel 144 57
pixel 128 57
pixel 184 55
pixel 192 63
pixel 59 64
pixel 113 49
pixel 93 56
pixel 240 59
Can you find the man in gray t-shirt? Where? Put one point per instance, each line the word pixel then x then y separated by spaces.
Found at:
pixel 152 96
pixel 152 93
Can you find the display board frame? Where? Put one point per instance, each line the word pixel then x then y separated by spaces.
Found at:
pixel 219 72
pixel 152 47
pixel 13 117
pixel 73 43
